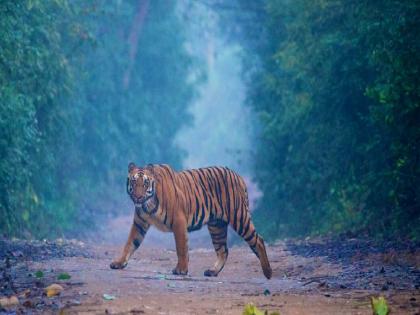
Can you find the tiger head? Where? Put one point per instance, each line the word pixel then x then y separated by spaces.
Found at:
pixel 140 184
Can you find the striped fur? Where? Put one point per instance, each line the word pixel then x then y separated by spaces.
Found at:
pixel 185 201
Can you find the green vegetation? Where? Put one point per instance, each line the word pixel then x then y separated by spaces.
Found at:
pixel 335 85
pixel 251 309
pixel 379 306
pixel 85 87
pixel 63 276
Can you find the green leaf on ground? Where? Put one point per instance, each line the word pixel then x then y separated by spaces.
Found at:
pixel 63 276
pixel 39 274
pixel 379 306
pixel 108 297
pixel 161 277
pixel 251 309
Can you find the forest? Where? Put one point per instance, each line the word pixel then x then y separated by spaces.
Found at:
pixel 332 87
pixel 79 101
pixel 336 87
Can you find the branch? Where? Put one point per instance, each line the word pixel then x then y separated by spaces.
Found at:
pixel 133 38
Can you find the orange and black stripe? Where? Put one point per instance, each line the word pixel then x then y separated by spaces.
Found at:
pixel 216 196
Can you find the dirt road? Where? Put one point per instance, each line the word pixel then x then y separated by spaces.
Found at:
pixel 310 277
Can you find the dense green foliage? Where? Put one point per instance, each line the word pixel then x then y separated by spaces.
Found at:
pixel 335 85
pixel 85 87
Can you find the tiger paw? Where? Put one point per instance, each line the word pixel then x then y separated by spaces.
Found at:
pixel 179 271
pixel 210 273
pixel 118 265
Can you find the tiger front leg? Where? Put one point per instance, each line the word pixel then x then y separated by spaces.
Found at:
pixel 181 242
pixel 135 238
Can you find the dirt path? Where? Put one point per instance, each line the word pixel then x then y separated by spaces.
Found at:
pixel 310 277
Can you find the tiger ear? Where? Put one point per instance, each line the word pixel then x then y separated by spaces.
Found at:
pixel 131 166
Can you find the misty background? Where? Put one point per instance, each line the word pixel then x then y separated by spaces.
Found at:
pixel 315 103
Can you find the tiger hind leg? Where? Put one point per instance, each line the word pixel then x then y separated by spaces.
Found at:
pixel 218 233
pixel 246 229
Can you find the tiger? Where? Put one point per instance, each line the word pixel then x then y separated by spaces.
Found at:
pixel 182 202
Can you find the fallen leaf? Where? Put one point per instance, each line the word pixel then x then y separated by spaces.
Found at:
pixel 379 306
pixel 63 276
pixel 17 253
pixel 25 293
pixel 53 290
pixel 108 297
pixel 9 301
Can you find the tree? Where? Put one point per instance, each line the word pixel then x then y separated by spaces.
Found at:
pixel 335 86
pixel 85 88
